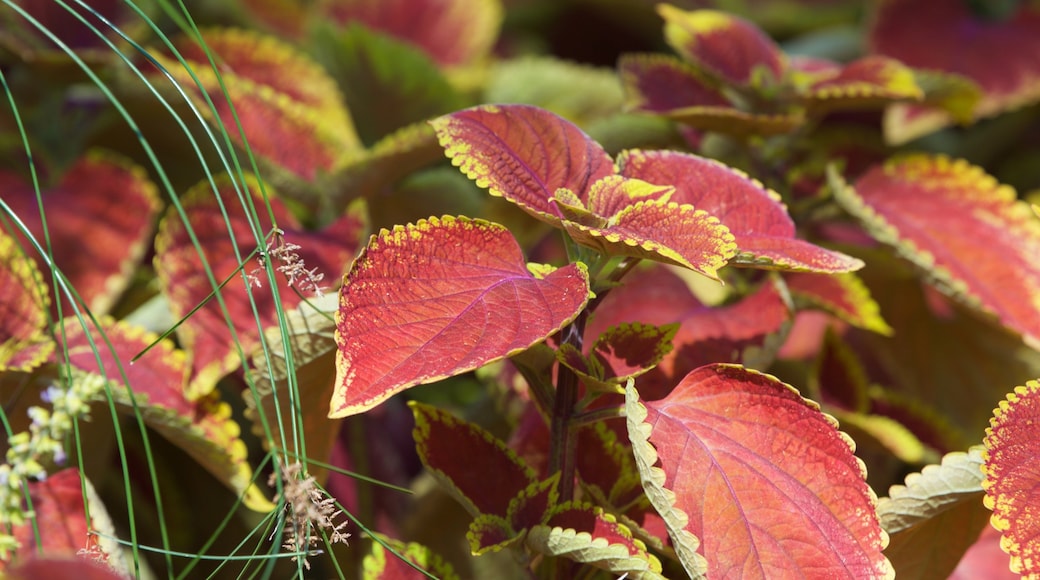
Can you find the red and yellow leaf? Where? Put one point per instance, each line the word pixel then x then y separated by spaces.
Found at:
pixel 24 302
pixel 998 54
pixel 448 445
pixel 456 32
pixel 764 233
pixel 300 126
pixel 381 564
pixel 948 97
pixel 99 219
pixel 203 428
pixel 935 517
pixel 661 83
pixel 58 515
pixel 207 335
pixel 523 154
pixel 1012 484
pixel 620 353
pixel 741 463
pixel 584 533
pixel 438 298
pixel 872 81
pixel 934 210
pixel 723 45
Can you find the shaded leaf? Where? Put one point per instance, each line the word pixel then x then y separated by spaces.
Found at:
pixel 1011 467
pixel 447 446
pixel 203 428
pixel 759 474
pixel 439 298
pixel 99 216
pixel 24 302
pixel 456 32
pixel 935 517
pixel 843 295
pixel 584 533
pixel 576 92
pixel 58 514
pixel 871 81
pixel 32 44
pixel 934 210
pixel 620 353
pixel 523 154
pixel 393 157
pixel 948 97
pixel 207 335
pixel 764 233
pixel 305 131
pixel 722 45
pixel 984 559
pixel 380 564
pixel 68 567
pixel 388 84
pixel 998 55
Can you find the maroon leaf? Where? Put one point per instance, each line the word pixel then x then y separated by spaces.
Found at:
pixel 764 233
pixel 523 154
pixel 759 475
pixel 99 219
pixel 448 447
pixel 206 334
pixel 439 298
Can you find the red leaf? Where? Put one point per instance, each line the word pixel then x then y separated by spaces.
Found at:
pixel 867 82
pixel 57 505
pixel 757 473
pixel 661 83
pixel 203 428
pixel 449 446
pixel 439 298
pixel 24 343
pixel 455 32
pixel 935 210
pixel 723 45
pixel 620 353
pixel 523 154
pixel 999 55
pixel 99 218
pixel 764 233
pixel 381 564
pixel 843 295
pixel 1012 483
pixel 985 559
pixel 206 334
pixel 48 568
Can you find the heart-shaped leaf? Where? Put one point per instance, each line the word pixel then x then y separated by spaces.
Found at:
pixel 99 221
pixel 207 335
pixel 934 210
pixel 998 54
pixel 456 32
pixel 935 517
pixel 24 301
pixel 764 233
pixel 523 154
pixel 722 45
pixel 741 463
pixel 439 298
pixel 1012 486
pixel 447 446
pixel 203 428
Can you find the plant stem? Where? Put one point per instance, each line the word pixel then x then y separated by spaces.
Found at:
pixel 562 437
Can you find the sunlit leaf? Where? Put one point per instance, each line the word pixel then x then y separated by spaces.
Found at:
pixel 1012 485
pixel 301 127
pixel 759 475
pixel 764 233
pixel 206 334
pixel 523 154
pixel 935 517
pixel 381 564
pixel 934 210
pixel 583 533
pixel 998 54
pixel 842 295
pixel 447 446
pixel 438 298
pixel 99 220
pixel 24 302
pixel 723 45
pixel 456 32
pixel 203 428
